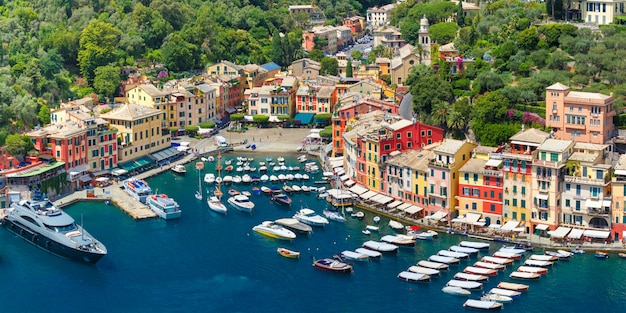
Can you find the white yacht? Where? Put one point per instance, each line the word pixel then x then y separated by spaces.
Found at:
pixel 274 230
pixel 241 203
pixel 309 216
pixel 216 205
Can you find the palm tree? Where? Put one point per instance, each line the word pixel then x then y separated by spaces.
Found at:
pixel 440 112
pixel 419 50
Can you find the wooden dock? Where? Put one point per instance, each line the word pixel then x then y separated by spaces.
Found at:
pixel 117 196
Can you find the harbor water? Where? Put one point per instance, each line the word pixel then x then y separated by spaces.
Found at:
pixel 207 262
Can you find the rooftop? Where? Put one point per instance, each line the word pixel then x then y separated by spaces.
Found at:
pixel 474 166
pixel 450 146
pixel 530 135
pixel 130 112
pixel 555 145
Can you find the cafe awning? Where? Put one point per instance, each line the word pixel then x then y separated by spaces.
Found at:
pixel 394 204
pixel 576 233
pixel 381 199
pixel 304 118
pixel 542 196
pixel 358 189
pixel 349 183
pixel 344 177
pixel 594 204
pixel 509 226
pixel 438 215
pixel 412 209
pixel 368 195
pixel 597 234
pixel 560 232
pixel 403 206
pixel 165 154
pixel 542 227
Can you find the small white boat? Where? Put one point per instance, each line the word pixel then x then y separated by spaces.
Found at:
pixel 496 297
pixel 216 205
pixel 560 255
pixel 302 158
pixel 513 250
pixel 512 286
pixel 322 195
pixel 414 277
pixel 452 254
pixel 241 203
pixel 380 246
pixel 425 235
pixel 305 176
pixel 209 178
pixel 358 214
pixel 349 209
pixel 296 188
pixel 246 179
pixel 524 275
pixel 308 216
pixel 264 178
pixel 398 240
pixel 179 168
pixel 501 261
pixel 457 291
pixel 543 257
pixel 538 263
pixel 396 225
pixel 482 305
pixel 334 216
pixel 474 244
pixel 376 219
pixel 532 269
pixel 354 256
pixel 433 265
pixel 227 179
pixel 424 270
pixel 507 255
pixel 443 259
pixel 465 284
pixel 297 176
pixel 470 277
pixel 198 195
pixel 505 292
pixel 371 228
pixel 463 249
pixel 480 271
pixel 370 253
pixel 237 179
pixel 492 266
pixel 305 188
pixel 273 178
pixel 366 232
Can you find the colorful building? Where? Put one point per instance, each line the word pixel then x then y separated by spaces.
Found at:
pixel 517 156
pixel 618 190
pixel 547 173
pixel 316 99
pixel 443 179
pixel 579 116
pixel 480 189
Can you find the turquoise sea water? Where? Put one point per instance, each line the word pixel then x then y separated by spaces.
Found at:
pixel 206 262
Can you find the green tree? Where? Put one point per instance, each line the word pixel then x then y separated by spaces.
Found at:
pixel 349 68
pixel 356 54
pixel 329 66
pixel 489 81
pixel 316 55
pixel 460 17
pixel 44 115
pixel 178 54
pixel 260 118
pixel 443 33
pixel 18 145
pixel 277 54
pixel 107 80
pixel 427 89
pixel 98 46
pixel 528 38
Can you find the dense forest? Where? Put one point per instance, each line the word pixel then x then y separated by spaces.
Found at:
pixel 55 50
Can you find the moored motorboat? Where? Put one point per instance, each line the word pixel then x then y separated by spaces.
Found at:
pixel 216 205
pixel 507 255
pixel 397 226
pixel 354 256
pixel 209 178
pixel 474 244
pixel 359 214
pixel 543 257
pixel 470 277
pixel 334 216
pixel 370 253
pixel 398 240
pixel 524 275
pixel 501 261
pixel 452 254
pixel 480 271
pixel 622 255
pixel 372 228
pixel 492 266
pixel 513 250
pixel 443 259
pixel 271 229
pixel 465 284
pixel 496 297
pixel 164 206
pixel 294 225
pixel 380 246
pixel 233 192
pixel 137 188
pixel 505 292
pixel 482 305
pixel 578 251
pixel 332 265
pixel 42 224
pixel 309 216
pixel 413 277
pixel 601 255
pixel 433 265
pixel 532 269
pixel 241 203
pixel 463 249
pixel 290 254
pixel 538 263
pixel 457 291
pixel 513 286
pixel 179 169
pixel 561 254
pixel 281 198
pixel 424 270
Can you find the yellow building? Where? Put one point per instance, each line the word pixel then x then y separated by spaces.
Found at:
pixel 147 95
pixel 618 190
pixel 371 149
pixel 140 130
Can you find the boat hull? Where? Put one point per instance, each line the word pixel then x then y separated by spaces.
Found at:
pixel 50 245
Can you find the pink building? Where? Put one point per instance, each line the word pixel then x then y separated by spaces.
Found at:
pixel 579 116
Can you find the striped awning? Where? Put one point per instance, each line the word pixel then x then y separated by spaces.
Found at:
pixel 560 232
pixel 368 195
pixel 394 204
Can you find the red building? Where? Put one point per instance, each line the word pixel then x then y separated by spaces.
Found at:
pixel 356 25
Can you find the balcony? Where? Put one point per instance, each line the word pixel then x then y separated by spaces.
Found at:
pixel 548 163
pixel 440 164
pixel 517 154
pixel 606 212
pixel 492 173
pixel 586 180
pixel 436 195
